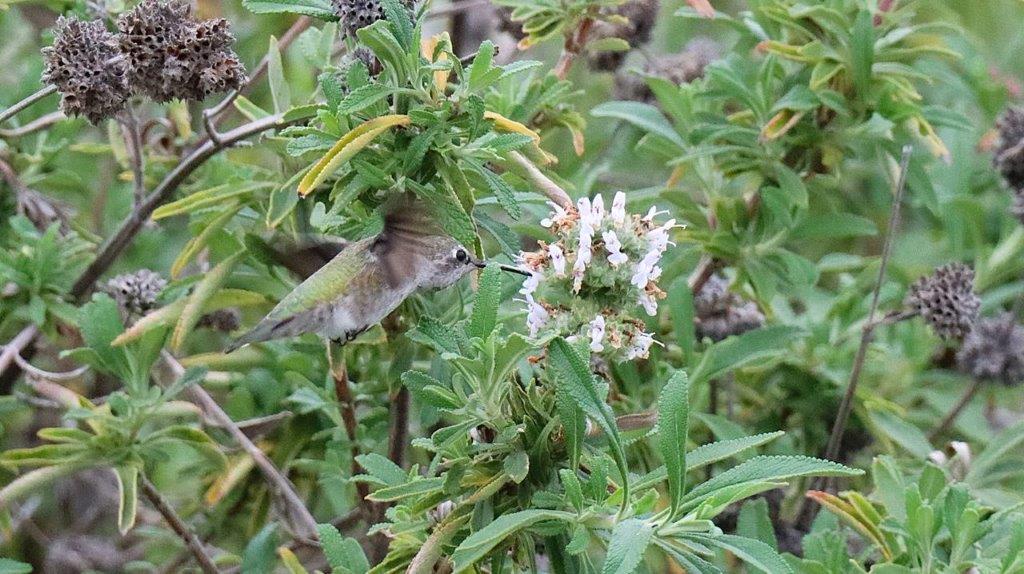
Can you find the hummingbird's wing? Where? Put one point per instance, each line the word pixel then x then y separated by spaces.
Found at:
pixel 307 308
pixel 401 246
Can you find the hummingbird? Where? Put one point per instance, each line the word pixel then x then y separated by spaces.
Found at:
pixel 369 278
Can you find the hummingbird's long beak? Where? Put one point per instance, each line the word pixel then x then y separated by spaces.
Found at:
pixel 513 269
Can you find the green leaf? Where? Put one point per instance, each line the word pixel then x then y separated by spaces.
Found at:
pixel 100 323
pixel 279 91
pixel 573 374
pixel 862 53
pixel 673 430
pixel 382 468
pixel 755 522
pixel 485 308
pixel 128 501
pixel 502 191
pixel 643 116
pixel 345 555
pixel 412 488
pixel 755 553
pixel 517 466
pixel 750 347
pixel 477 545
pixel 8 566
pixel 772 468
pixel 363 97
pixel 398 15
pixel 481 65
pixel 626 548
pixel 573 488
pixel 205 289
pixel 316 8
pixel 260 554
pixel 901 432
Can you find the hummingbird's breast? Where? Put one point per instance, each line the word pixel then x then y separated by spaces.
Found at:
pixel 360 309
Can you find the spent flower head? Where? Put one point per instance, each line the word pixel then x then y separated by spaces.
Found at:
pixel 136 292
pixel 720 313
pixel 994 350
pixel 1009 153
pixel 84 65
pixel 356 14
pixel 946 300
pixel 602 267
pixel 173 56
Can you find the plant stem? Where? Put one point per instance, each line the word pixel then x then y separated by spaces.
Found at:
pixel 11 111
pixel 15 346
pixel 399 433
pixel 952 415
pixel 348 416
pixel 305 524
pixel 133 141
pixel 836 438
pixel 35 125
pixel 551 189
pixel 193 543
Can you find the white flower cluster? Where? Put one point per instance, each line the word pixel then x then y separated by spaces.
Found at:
pixel 602 264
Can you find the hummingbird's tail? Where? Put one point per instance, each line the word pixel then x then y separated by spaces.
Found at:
pixel 264 331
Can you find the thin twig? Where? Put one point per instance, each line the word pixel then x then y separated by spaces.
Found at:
pixel 33 126
pixel 42 93
pixel 16 346
pixel 551 189
pixel 297 513
pixel 178 525
pixel 348 417
pixel 839 428
pixel 50 375
pixel 133 142
pixel 399 432
pixel 954 413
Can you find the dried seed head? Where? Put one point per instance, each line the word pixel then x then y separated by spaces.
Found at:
pixel 681 68
pixel 172 56
pixel 1009 154
pixel 946 300
pixel 640 15
pixel 994 350
pixel 136 293
pixel 224 320
pixel 720 313
pixel 356 14
pixel 83 64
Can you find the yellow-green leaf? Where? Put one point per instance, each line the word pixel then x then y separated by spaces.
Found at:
pixel 205 289
pixel 348 146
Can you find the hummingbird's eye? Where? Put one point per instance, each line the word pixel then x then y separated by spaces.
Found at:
pixel 461 256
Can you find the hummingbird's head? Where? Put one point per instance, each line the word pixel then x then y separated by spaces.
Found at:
pixel 449 262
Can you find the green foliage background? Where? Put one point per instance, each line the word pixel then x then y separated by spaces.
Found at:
pixel 453 440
